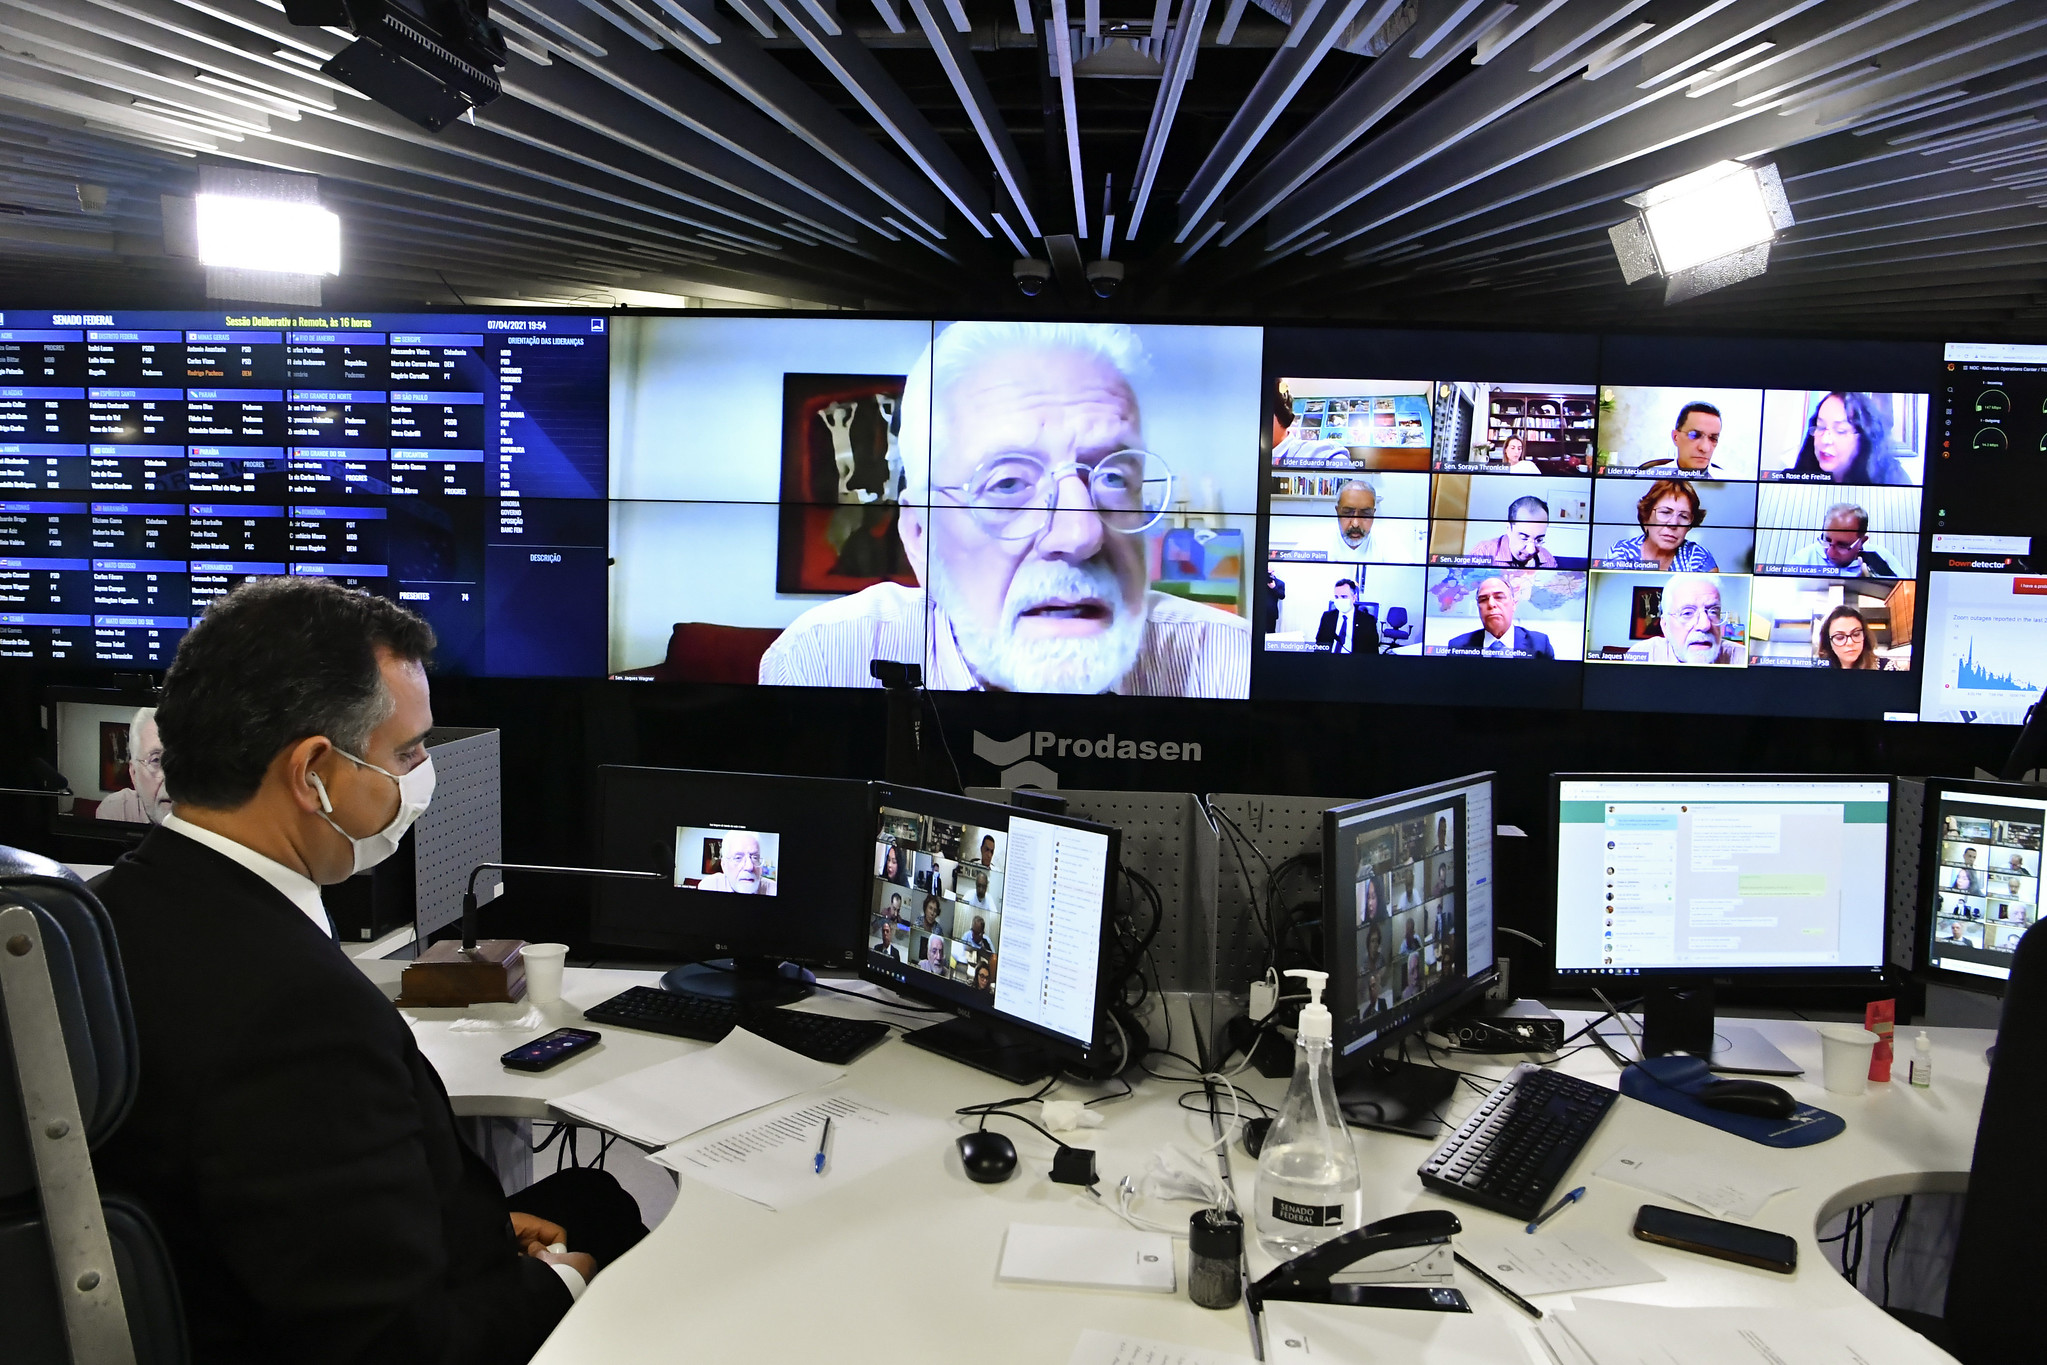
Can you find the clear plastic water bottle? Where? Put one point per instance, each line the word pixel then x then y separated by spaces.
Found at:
pixel 1308 1185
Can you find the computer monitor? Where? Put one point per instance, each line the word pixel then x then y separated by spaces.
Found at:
pixel 761 870
pixel 1979 879
pixel 1408 923
pixel 998 912
pixel 1684 881
pixel 104 743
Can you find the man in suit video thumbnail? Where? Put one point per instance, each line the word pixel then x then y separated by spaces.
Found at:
pixel 1346 627
pixel 1498 637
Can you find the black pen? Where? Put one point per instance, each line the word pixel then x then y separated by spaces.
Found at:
pixel 1519 1302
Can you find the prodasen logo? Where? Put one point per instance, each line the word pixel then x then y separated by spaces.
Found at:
pixel 1018 757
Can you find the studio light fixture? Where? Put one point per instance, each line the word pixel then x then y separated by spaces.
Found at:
pixel 296 238
pixel 1705 230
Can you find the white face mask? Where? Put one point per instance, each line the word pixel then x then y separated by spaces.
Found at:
pixel 415 789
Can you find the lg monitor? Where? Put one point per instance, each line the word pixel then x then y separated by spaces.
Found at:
pixel 1679 883
pixel 1979 879
pixel 761 872
pixel 1408 924
pixel 999 913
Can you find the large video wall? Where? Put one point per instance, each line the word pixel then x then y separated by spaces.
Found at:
pixel 1508 518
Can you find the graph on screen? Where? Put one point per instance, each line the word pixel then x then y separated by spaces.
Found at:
pixel 1987 647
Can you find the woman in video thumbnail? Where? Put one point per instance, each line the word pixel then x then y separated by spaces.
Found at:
pixel 930 914
pixel 1844 642
pixel 1368 895
pixel 1845 441
pixel 1666 513
pixel 984 976
pixel 892 869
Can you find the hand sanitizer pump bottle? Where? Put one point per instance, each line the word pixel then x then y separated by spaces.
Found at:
pixel 1308 1185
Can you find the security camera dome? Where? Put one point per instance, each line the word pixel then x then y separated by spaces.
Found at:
pixel 1030 275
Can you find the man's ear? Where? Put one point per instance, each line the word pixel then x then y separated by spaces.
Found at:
pixel 915 532
pixel 297 762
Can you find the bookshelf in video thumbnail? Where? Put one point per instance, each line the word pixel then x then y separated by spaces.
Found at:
pixel 1698 526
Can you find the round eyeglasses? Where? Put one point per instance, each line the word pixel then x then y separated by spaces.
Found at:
pixel 1013 494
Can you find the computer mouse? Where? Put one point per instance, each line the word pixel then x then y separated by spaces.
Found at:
pixel 990 1158
pixel 1254 1134
pixel 1759 1098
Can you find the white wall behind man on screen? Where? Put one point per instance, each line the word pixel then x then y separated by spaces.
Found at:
pixel 696 403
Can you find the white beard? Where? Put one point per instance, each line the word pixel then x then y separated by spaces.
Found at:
pixel 1079 664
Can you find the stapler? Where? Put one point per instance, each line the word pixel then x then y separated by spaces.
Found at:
pixel 1400 1262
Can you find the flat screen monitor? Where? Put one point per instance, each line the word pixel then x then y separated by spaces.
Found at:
pixel 104 743
pixel 998 912
pixel 760 869
pixel 1979 879
pixel 1408 915
pixel 150 461
pixel 1718 875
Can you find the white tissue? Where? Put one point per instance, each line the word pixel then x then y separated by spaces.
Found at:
pixel 1063 1116
pixel 499 1019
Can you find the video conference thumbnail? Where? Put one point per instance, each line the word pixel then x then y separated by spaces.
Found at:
pixel 744 862
pixel 1988 883
pixel 937 897
pixel 1028 506
pixel 1409 929
pixel 1719 527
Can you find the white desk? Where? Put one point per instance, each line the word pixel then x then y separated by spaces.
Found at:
pixel 901 1265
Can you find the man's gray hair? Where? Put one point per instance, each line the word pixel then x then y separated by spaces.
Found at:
pixel 964 346
pixel 1848 511
pixel 1365 481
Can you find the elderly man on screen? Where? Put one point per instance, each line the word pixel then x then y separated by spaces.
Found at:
pixel 1694 625
pixel 739 867
pixel 146 802
pixel 1027 531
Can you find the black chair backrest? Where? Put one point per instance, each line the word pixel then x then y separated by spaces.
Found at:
pixel 92 1003
pixel 2006 1209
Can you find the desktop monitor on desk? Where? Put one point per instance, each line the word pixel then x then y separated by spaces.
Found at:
pixel 762 870
pixel 1979 879
pixel 1408 924
pixel 1686 882
pixel 998 912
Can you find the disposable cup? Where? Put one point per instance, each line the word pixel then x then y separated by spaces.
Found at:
pixel 544 971
pixel 1846 1050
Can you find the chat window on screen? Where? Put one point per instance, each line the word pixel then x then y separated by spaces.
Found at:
pixel 1717 883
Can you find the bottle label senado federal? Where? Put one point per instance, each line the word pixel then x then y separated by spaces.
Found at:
pixel 1307 1215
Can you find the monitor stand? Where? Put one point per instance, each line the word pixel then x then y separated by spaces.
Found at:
pixel 758 981
pixel 987 1046
pixel 1397 1097
pixel 1678 1017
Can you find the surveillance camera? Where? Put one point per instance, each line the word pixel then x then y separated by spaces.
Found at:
pixel 1105 277
pixel 1030 275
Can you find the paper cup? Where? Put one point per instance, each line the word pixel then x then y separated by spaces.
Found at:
pixel 1845 1047
pixel 544 972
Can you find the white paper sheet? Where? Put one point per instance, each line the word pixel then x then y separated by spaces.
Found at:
pixel 1114 1348
pixel 1556 1263
pixel 1321 1334
pixel 1720 1187
pixel 768 1157
pixel 1087 1258
pixel 499 1018
pixel 1645 1334
pixel 667 1102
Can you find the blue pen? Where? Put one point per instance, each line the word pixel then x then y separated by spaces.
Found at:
pixel 1554 1209
pixel 817 1162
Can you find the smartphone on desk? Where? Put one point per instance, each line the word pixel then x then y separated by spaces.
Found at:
pixel 1712 1237
pixel 551 1049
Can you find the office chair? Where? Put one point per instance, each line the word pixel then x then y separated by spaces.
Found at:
pixel 1393 631
pixel 1983 1321
pixel 86 1279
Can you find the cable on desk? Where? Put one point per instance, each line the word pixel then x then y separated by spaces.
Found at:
pixel 857 995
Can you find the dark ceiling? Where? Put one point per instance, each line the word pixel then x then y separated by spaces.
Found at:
pixel 1414 161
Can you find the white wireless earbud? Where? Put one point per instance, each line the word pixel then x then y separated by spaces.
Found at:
pixel 326 806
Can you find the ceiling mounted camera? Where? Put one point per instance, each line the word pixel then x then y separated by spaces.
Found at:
pixel 1105 278
pixel 1030 275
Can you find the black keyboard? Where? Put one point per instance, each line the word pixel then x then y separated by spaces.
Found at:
pixel 817 1036
pixel 1516 1146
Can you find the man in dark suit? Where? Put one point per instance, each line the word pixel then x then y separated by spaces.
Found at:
pixel 295 1147
pixel 1497 635
pixel 1346 627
